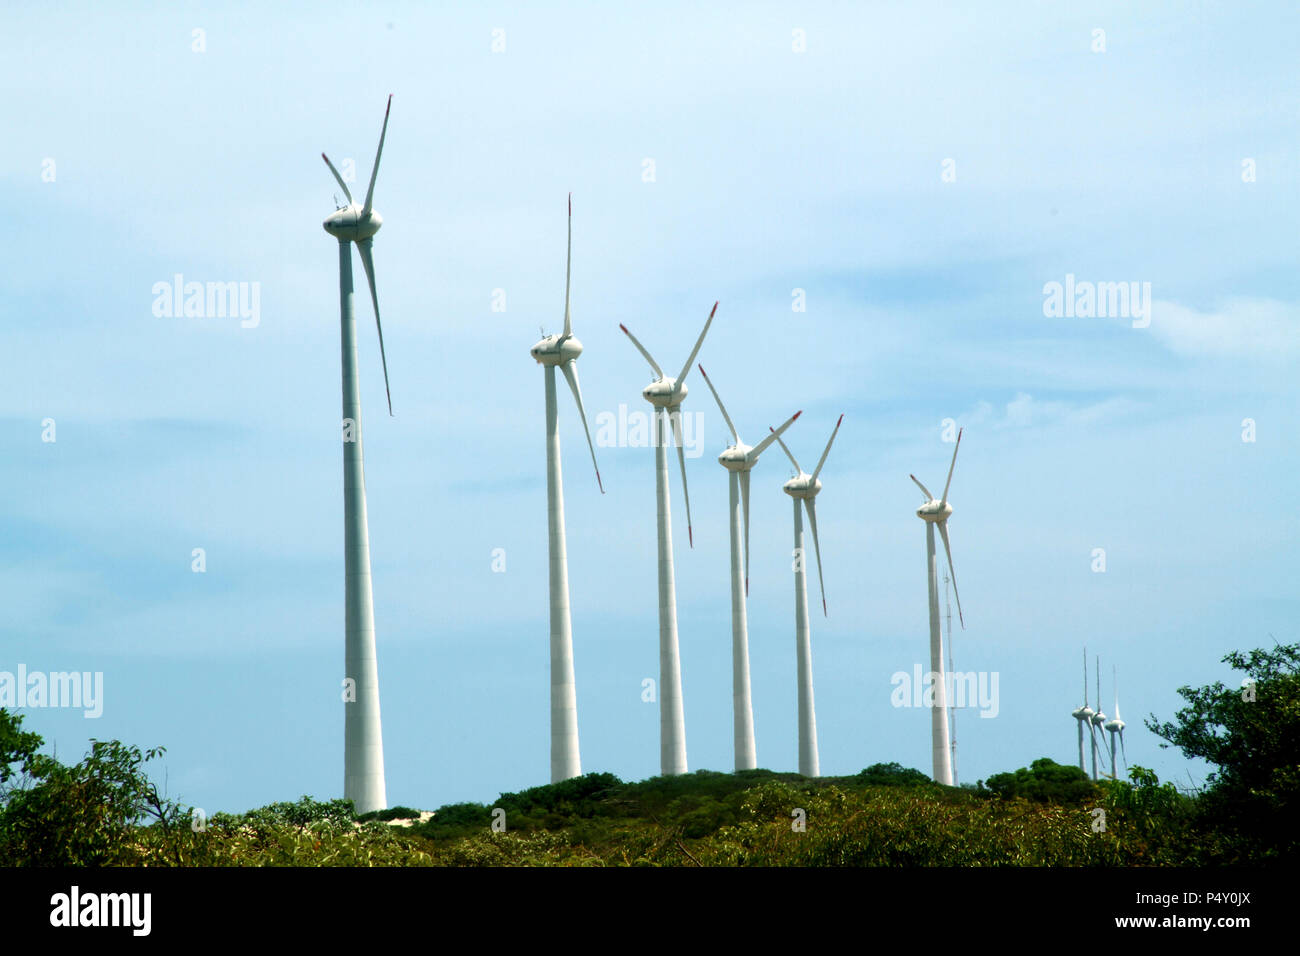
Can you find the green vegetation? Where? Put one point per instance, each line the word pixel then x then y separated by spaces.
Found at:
pixel 104 810
pixel 1252 736
pixel 1044 781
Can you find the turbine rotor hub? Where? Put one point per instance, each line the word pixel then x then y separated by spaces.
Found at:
pixel 934 511
pixel 664 392
pixel 802 486
pixel 736 458
pixel 350 225
pixel 556 350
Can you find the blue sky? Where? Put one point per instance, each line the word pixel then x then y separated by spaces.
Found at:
pixel 774 171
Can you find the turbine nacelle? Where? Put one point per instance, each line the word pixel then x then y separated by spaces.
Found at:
pixel 802 486
pixel 668 393
pixel 556 349
pixel 737 458
pixel 1098 719
pixel 358 224
pixel 664 393
pixel 1114 726
pixel 935 511
pixel 352 223
pixel 561 351
pixel 1082 713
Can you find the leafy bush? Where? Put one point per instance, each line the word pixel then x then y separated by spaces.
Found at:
pixel 1250 734
pixel 1045 781
pixel 392 813
pixel 893 775
pixel 84 815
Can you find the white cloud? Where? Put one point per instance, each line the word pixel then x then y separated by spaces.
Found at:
pixel 1240 327
pixel 1025 411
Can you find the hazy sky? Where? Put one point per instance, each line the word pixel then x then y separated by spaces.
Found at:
pixel 920 171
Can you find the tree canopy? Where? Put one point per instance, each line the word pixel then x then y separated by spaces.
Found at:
pixel 1251 734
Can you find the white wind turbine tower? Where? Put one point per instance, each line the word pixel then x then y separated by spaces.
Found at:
pixel 936 511
pixel 363 747
pixel 1098 721
pixel 666 395
pixel 1083 714
pixel 739 459
pixel 805 487
pixel 952 708
pixel 561 351
pixel 1116 729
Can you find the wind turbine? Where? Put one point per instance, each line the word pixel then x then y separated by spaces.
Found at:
pixel 1083 714
pixel 1116 729
pixel 1098 721
pixel 739 459
pixel 363 746
pixel 805 487
pixel 666 395
pixel 561 351
pixel 936 511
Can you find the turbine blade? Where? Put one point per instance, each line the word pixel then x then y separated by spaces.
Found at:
pixel 568 263
pixel 337 178
pixel 753 453
pixel 812 521
pixel 1115 682
pixel 744 498
pixel 368 263
pixel 675 417
pixel 786 449
pixel 735 437
pixel 943 530
pixel 944 500
pixel 924 490
pixel 570 371
pixel 641 348
pixel 818 469
pixel 1122 751
pixel 698 342
pixel 370 193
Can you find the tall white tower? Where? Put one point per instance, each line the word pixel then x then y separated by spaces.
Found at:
pixel 666 395
pixel 552 352
pixel 363 745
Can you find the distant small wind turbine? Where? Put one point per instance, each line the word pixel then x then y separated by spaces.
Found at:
pixel 666 395
pixel 1098 721
pixel 1083 714
pixel 937 511
pixel 739 459
pixel 561 351
pixel 363 746
pixel 1116 729
pixel 805 487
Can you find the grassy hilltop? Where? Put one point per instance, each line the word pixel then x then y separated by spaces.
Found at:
pixel 884 816
pixel 105 810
